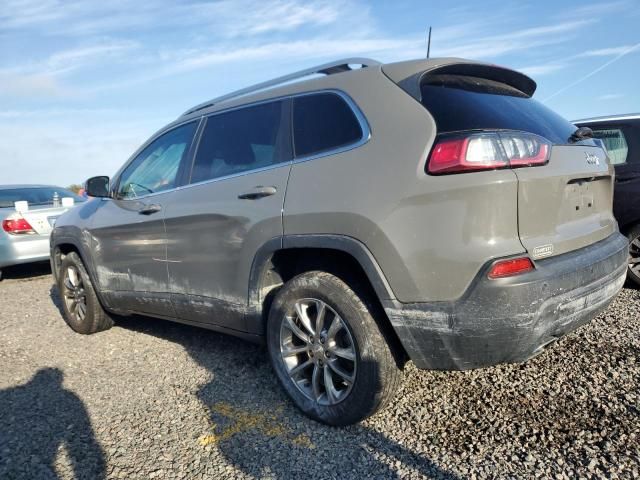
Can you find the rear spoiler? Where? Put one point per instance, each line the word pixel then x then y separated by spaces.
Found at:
pixel 410 75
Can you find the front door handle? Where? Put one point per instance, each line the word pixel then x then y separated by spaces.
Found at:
pixel 150 209
pixel 258 192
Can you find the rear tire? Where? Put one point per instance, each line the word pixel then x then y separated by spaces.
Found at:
pixel 634 255
pixel 328 352
pixel 80 305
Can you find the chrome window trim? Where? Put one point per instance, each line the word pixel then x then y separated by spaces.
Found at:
pixel 362 120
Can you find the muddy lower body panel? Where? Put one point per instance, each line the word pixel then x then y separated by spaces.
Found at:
pixel 512 319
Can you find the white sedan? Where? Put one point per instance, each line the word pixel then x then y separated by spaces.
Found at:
pixel 27 214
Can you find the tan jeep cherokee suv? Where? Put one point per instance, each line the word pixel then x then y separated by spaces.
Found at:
pixel 428 210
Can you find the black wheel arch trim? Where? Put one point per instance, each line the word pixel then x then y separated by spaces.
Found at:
pixel 66 240
pixel 341 243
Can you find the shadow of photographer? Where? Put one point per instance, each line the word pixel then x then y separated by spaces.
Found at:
pixel 37 420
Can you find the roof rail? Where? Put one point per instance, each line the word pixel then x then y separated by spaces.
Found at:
pixel 609 118
pixel 337 66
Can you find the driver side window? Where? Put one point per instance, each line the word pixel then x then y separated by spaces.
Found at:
pixel 155 169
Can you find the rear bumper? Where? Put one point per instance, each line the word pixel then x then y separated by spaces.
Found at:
pixel 23 249
pixel 512 319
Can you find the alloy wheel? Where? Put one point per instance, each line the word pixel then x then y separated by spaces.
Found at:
pixel 318 352
pixel 74 294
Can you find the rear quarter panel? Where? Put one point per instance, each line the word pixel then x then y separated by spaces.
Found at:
pixel 429 234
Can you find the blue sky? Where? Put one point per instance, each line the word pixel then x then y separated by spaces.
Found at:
pixel 83 84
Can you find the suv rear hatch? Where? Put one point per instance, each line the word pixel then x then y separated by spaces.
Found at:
pixel 566 204
pixel 564 189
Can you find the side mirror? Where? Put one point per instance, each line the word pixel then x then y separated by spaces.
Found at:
pixel 97 186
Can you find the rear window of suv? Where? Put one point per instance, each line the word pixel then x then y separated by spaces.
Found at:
pixel 461 102
pixel 323 122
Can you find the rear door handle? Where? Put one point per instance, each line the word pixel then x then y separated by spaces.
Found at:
pixel 258 192
pixel 150 209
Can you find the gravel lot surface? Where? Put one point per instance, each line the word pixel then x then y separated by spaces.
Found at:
pixel 152 399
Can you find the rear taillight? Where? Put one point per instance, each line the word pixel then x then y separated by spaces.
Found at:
pixel 488 151
pixel 510 267
pixel 17 226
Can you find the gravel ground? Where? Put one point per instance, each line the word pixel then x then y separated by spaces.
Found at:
pixel 152 399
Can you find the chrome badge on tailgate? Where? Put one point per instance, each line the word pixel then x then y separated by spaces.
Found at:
pixel 543 251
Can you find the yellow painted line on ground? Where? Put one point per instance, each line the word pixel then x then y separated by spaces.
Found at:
pixel 243 421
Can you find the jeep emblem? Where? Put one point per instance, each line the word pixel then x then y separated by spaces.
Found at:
pixel 591 159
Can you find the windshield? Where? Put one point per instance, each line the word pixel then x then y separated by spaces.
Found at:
pixel 458 103
pixel 34 195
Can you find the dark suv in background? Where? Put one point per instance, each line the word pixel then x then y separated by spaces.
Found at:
pixel 620 134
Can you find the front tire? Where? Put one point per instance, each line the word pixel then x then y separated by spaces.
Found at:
pixel 328 352
pixel 80 305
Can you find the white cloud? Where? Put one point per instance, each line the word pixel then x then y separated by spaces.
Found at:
pixel 304 52
pixel 556 65
pixel 611 51
pixel 67 147
pixel 599 9
pixel 332 28
pixel 460 40
pixel 610 96
pixel 64 61
pixel 492 46
pixel 593 72
pixel 542 69
pixel 42 78
pixel 313 48
pixel 76 57
pixel 249 17
pixel 223 17
pixel 19 13
pixel 31 85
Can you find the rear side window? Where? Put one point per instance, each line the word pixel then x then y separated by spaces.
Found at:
pixel 323 122
pixel 615 143
pixel 460 102
pixel 243 140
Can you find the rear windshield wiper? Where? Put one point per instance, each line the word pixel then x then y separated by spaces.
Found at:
pixel 581 133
